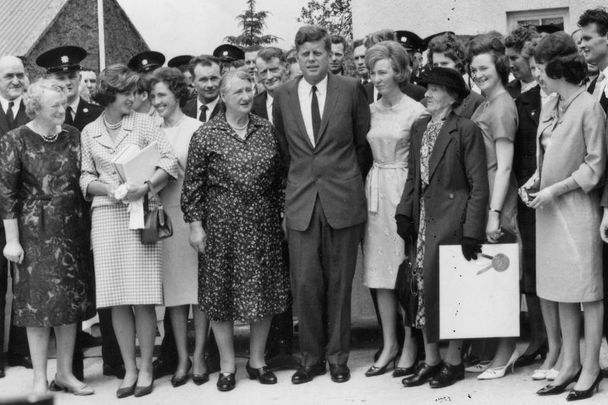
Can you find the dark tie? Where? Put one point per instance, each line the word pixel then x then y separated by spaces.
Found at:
pixel 316 116
pixel 68 116
pixel 10 117
pixel 379 96
pixel 203 115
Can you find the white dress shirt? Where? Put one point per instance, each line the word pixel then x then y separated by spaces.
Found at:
pixel 16 104
pixel 600 84
pixel 269 101
pixel 210 108
pixel 527 86
pixel 305 97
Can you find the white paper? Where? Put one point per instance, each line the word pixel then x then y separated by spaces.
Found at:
pixel 136 214
pixel 475 299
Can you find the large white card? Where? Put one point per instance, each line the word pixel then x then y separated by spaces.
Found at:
pixel 479 298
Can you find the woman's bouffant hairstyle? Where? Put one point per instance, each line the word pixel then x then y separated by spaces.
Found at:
pixel 175 81
pixel 312 33
pixel 379 36
pixel 562 60
pixel 395 53
pixel 490 43
pixel 113 80
pixel 519 36
pixel 33 96
pixel 451 47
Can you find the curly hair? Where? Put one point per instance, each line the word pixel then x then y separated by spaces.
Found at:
pixel 562 60
pixel 113 80
pixel 175 81
pixel 519 36
pixel 451 47
pixel 599 16
pixel 33 95
pixel 490 43
pixel 395 53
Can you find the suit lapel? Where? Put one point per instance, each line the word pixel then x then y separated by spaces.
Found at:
pixel 294 101
pixel 100 134
pixel 3 122
pixel 443 140
pixel 531 103
pixel 331 99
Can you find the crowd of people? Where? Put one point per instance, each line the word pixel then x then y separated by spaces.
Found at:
pixel 275 169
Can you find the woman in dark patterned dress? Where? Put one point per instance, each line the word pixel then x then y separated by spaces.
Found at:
pixel 46 232
pixel 232 200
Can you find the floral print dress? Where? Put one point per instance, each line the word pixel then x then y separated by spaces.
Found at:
pixel 39 186
pixel 234 187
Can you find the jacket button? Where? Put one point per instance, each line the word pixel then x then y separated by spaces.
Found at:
pixel 451 196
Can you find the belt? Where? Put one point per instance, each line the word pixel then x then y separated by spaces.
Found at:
pixel 374 196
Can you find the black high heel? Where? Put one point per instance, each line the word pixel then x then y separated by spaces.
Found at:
pixel 558 389
pixel 527 359
pixel 179 381
pixel 374 371
pixel 575 395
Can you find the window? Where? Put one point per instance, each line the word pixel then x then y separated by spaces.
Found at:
pixel 549 16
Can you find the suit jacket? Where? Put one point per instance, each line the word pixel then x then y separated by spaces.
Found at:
pixel 20 119
pixel 455 200
pixel 469 105
pixel 524 154
pixel 86 114
pixel 333 170
pixel 259 105
pixel 603 98
pixel 191 111
pixel 514 88
pixel 411 90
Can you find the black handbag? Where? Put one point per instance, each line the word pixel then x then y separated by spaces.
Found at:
pixel 157 224
pixel 406 289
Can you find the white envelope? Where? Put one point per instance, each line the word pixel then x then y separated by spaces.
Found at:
pixel 479 298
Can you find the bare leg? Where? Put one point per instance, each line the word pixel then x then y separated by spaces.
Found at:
pixel 179 322
pixel 201 327
pixel 551 319
pixel 409 351
pixel 145 324
pixel 593 316
pixel 66 337
pixel 38 340
pixel 257 342
pixel 124 328
pixel 570 322
pixel 224 336
pixel 387 307
pixel 504 351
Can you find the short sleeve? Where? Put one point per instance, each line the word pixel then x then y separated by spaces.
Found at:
pixel 503 119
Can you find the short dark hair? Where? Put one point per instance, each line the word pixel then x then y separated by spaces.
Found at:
pixel 449 45
pixel 599 16
pixel 312 33
pixel 113 80
pixel 339 39
pixel 492 44
pixel 204 60
pixel 143 84
pixel 562 60
pixel 270 52
pixel 519 36
pixel 175 81
pixel 357 43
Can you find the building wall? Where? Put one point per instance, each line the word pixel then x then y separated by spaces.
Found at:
pixel 464 17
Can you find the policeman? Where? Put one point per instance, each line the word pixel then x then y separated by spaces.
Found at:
pixel 229 55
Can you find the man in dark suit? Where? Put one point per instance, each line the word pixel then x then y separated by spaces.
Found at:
pixel 322 121
pixel 12 115
pixel 206 77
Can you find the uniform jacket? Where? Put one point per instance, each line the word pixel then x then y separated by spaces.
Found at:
pixel 334 169
pixel 85 114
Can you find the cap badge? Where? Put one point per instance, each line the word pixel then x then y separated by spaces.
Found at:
pixel 65 59
pixel 404 39
pixel 85 110
pixel 225 53
pixel 144 62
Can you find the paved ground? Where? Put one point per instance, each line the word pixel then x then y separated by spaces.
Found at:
pixel 513 389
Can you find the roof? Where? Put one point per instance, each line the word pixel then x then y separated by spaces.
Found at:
pixel 22 23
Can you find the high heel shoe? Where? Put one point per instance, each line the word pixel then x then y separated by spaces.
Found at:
pixel 80 390
pixel 179 381
pixel 558 389
pixel 262 374
pixel 527 359
pixel 552 374
pixel 374 371
pixel 141 391
pixel 499 372
pixel 575 395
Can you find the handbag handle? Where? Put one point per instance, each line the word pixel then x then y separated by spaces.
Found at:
pixel 153 190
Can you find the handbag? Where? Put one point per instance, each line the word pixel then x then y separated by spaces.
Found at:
pixel 157 224
pixel 406 289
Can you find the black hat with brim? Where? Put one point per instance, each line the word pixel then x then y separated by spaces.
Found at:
pixel 548 28
pixel 426 41
pixel 179 61
pixel 409 40
pixel 228 53
pixel 62 59
pixel 447 77
pixel 146 61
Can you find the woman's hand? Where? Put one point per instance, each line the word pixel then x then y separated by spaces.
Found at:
pixel 14 252
pixel 110 189
pixel 135 192
pixel 198 237
pixel 543 197
pixel 493 232
pixel 604 226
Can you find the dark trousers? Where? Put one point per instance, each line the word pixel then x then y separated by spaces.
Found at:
pixel 17 341
pixel 322 261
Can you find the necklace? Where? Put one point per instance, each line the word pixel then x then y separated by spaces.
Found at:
pixel 50 138
pixel 112 127
pixel 52 135
pixel 239 128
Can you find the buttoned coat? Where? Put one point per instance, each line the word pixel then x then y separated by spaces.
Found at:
pixel 455 200
pixel 335 167
pixel 85 114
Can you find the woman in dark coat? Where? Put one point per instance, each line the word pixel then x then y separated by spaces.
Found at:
pixel 46 232
pixel 443 203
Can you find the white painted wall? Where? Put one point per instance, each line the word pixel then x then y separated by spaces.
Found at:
pixel 426 17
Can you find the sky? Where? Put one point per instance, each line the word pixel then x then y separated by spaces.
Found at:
pixel 176 27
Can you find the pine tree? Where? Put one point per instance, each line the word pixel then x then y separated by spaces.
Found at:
pixel 333 15
pixel 252 24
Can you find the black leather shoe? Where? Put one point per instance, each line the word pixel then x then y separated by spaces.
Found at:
pixel 162 367
pixel 19 361
pixel 116 371
pixel 527 359
pixel 125 392
pixel 447 376
pixel 339 373
pixel 200 379
pixel 306 374
pixel 424 374
pixel 226 382
pixel 262 374
pixel 575 395
pixel 558 389
pixel 142 391
pixel 404 371
pixel 179 381
pixel 2 374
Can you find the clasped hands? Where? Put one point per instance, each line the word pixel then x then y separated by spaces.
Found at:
pixel 126 192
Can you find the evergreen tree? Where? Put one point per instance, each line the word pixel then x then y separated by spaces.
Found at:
pixel 252 23
pixel 333 15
